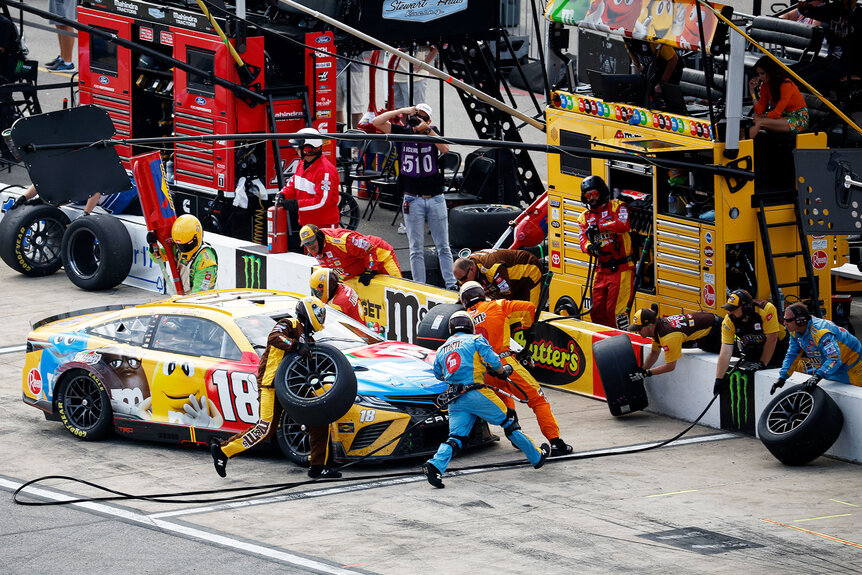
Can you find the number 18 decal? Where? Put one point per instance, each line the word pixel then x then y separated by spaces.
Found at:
pixel 367 415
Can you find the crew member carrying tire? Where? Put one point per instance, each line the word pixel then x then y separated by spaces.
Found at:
pixel 605 235
pixel 197 260
pixel 314 189
pixel 754 326
pixel 504 274
pixel 832 352
pixel 459 363
pixel 289 335
pixel 326 286
pixel 493 320
pixel 349 253
pixel 672 333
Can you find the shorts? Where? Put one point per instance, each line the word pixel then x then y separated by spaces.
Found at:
pixel 358 88
pixel 798 120
pixel 64 8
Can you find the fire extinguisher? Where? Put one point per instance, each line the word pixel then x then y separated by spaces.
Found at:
pixel 276 228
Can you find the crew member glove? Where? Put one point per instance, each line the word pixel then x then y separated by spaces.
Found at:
pixel 506 370
pixel 777 385
pixel 720 385
pixel 19 201
pixel 525 356
pixel 640 374
pixel 365 278
pixel 290 205
pixel 303 349
pixel 593 250
pixel 152 238
pixel 811 382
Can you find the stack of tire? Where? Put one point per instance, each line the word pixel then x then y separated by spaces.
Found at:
pixel 95 250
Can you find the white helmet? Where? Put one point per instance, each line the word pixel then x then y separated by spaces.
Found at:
pixel 313 139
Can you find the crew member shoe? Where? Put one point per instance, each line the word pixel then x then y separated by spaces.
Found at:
pixel 323 472
pixel 560 447
pixel 61 66
pixel 219 458
pixel 546 451
pixel 433 475
pixel 54 62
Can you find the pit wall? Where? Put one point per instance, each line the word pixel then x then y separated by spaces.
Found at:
pixel 394 307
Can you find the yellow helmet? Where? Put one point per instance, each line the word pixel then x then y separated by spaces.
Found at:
pixel 187 233
pixel 323 284
pixel 307 234
pixel 312 313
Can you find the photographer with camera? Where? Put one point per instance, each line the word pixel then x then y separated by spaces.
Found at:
pixel 832 352
pixel 605 235
pixel 421 182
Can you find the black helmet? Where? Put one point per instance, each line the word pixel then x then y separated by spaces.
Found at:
pixel 471 294
pixel 591 183
pixel 460 322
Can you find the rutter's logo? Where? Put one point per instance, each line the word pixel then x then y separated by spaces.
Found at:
pixel 568 360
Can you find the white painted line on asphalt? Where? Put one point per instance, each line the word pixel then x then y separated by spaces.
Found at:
pixel 412 479
pixel 12 349
pixel 208 537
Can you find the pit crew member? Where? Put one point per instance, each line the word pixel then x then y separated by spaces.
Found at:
pixel 289 335
pixel 754 326
pixel 314 189
pixel 833 352
pixel 671 333
pixel 326 286
pixel 196 260
pixel 461 362
pixel 349 253
pixel 493 319
pixel 504 274
pixel 605 235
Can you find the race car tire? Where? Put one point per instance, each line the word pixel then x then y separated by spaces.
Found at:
pixel 31 238
pixel 479 226
pixel 293 440
pixel 349 210
pixel 84 406
pixel 799 425
pixel 316 391
pixel 97 252
pixel 433 330
pixel 615 360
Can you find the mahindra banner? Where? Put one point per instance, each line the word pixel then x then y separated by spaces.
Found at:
pixel 673 22
pixel 562 351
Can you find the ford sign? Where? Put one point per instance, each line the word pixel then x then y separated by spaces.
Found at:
pixel 201 101
pixel 322 39
pixel 103 80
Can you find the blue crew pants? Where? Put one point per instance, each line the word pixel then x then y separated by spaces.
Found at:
pixel 463 412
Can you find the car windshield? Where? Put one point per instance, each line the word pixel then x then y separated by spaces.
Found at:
pixel 338 329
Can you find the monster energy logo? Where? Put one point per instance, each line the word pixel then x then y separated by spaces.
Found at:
pixel 250 270
pixel 251 267
pixel 739 398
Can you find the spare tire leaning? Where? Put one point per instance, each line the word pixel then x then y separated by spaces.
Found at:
pixel 316 391
pixel 31 238
pixel 433 330
pixel 615 360
pixel 479 226
pixel 97 252
pixel 799 425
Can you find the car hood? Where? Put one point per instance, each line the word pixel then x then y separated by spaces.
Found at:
pixel 395 369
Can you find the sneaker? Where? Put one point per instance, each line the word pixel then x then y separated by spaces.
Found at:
pixel 546 451
pixel 61 66
pixel 402 229
pixel 219 458
pixel 323 472
pixel 433 475
pixel 54 62
pixel 560 447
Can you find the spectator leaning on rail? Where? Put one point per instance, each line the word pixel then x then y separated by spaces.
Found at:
pixel 493 320
pixel 753 325
pixel 326 286
pixel 314 189
pixel 503 274
pixel 671 334
pixel 605 235
pixel 833 352
pixel 461 362
pixel 420 179
pixel 287 336
pixel 349 253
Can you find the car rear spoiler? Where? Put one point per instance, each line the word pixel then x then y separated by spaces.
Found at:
pixel 67 315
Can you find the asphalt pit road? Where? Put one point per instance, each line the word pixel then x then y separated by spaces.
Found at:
pixel 700 540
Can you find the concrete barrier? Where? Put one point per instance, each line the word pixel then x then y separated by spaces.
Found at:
pixel 684 392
